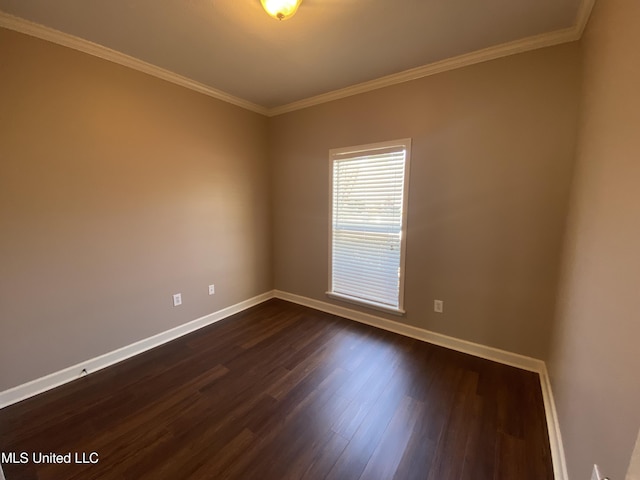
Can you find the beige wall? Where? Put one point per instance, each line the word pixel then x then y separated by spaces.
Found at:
pixel 117 190
pixel 492 157
pixel 595 361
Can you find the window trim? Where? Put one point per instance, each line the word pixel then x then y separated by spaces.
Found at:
pixel 356 151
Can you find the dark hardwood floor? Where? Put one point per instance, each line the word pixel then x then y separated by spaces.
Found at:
pixel 281 391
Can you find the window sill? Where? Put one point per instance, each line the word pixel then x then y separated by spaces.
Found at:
pixel 366 303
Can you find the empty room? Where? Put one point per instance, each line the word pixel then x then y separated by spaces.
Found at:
pixel 320 239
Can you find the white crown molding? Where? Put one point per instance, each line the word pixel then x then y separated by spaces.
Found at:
pixel 491 53
pixel 55 379
pixel 479 56
pixel 49 34
pixel 549 39
pixel 584 12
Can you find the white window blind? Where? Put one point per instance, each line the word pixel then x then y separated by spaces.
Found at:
pixel 367 224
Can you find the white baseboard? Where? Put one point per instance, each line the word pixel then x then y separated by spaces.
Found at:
pixel 30 389
pixel 555 437
pixel 464 346
pixel 22 392
pixel 490 353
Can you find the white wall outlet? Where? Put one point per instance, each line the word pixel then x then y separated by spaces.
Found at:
pixel 438 306
pixel 177 299
pixel 212 289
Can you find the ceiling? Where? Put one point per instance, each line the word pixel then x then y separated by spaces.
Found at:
pixel 235 48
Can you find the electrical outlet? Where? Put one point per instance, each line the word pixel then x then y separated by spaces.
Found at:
pixel 438 306
pixel 177 299
pixel 212 289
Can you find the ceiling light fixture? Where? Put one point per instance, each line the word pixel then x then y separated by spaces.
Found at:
pixel 281 9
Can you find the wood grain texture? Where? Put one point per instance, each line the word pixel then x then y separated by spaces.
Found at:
pixel 282 391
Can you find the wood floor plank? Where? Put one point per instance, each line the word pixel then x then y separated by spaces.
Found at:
pixel 385 458
pixel 326 458
pixel 281 391
pixel 419 454
pixel 361 446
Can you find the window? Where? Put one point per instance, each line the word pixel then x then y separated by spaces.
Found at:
pixel 368 224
